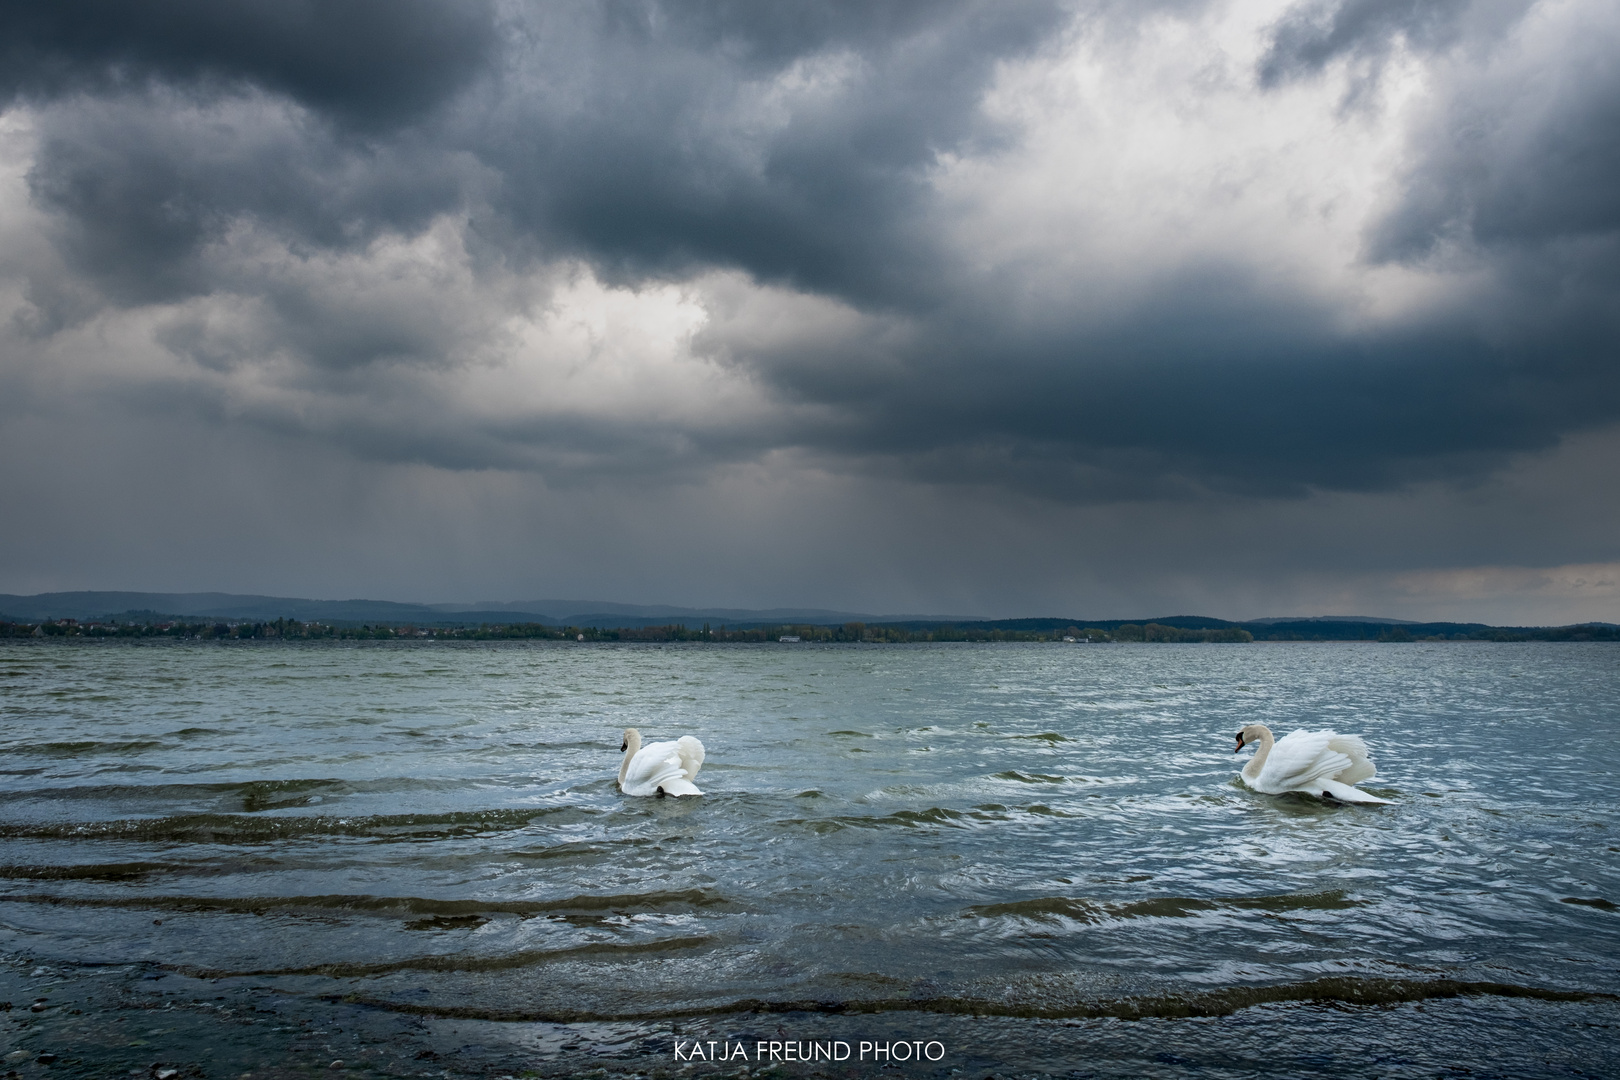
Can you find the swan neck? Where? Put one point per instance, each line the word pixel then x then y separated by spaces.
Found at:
pixel 1258 762
pixel 632 743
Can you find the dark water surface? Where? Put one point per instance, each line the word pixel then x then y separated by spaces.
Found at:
pixel 412 858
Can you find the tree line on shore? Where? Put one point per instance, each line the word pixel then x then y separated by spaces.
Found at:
pixel 879 633
pixel 295 630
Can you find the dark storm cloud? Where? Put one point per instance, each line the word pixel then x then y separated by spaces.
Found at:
pixel 637 145
pixel 798 146
pixel 765 36
pixel 1509 160
pixel 1316 33
pixel 614 132
pixel 370 62
pixel 1235 397
pixel 141 183
pixel 1507 169
pixel 614 136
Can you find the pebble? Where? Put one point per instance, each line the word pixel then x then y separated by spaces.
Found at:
pixel 338 1064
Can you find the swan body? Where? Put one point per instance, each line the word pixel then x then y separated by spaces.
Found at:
pixel 1313 762
pixel 660 768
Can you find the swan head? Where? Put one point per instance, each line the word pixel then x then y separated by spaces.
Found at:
pixel 632 737
pixel 1251 733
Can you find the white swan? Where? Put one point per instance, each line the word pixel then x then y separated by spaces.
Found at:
pixel 1314 762
pixel 660 768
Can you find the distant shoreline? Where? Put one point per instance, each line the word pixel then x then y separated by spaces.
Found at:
pixel 152 627
pixel 216 614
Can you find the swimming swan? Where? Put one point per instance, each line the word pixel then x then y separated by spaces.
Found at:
pixel 660 768
pixel 1314 762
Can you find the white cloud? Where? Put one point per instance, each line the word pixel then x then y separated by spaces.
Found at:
pixel 1148 150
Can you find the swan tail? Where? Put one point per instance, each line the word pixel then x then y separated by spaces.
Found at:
pixel 679 786
pixel 691 755
pixel 1345 793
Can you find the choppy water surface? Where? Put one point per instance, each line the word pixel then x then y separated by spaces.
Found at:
pixel 414 858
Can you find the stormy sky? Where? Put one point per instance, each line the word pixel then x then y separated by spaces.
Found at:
pixel 1016 307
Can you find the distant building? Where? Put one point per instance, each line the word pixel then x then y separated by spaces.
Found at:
pixel 788 638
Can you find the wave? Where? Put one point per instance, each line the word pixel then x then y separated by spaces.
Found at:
pixel 449 962
pixel 85 748
pixel 1593 901
pixel 908 819
pixel 933 815
pixel 255 795
pixel 1341 991
pixel 685 899
pixel 1078 909
pixel 126 871
pixel 243 829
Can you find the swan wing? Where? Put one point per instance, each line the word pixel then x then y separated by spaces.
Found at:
pixel 659 765
pixel 1300 761
pixel 653 763
pixel 691 754
pixel 1361 766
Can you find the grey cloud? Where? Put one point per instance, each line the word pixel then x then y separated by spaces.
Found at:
pixel 1519 159
pixel 624 133
pixel 647 155
pixel 368 62
pixel 141 185
pixel 633 136
pixel 767 35
pixel 1154 409
pixel 1317 32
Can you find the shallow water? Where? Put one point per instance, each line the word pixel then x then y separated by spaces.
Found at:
pixel 400 842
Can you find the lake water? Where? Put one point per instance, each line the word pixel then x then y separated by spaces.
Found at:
pixel 1013 859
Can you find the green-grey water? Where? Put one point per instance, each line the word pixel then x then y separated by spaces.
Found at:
pixel 412 858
